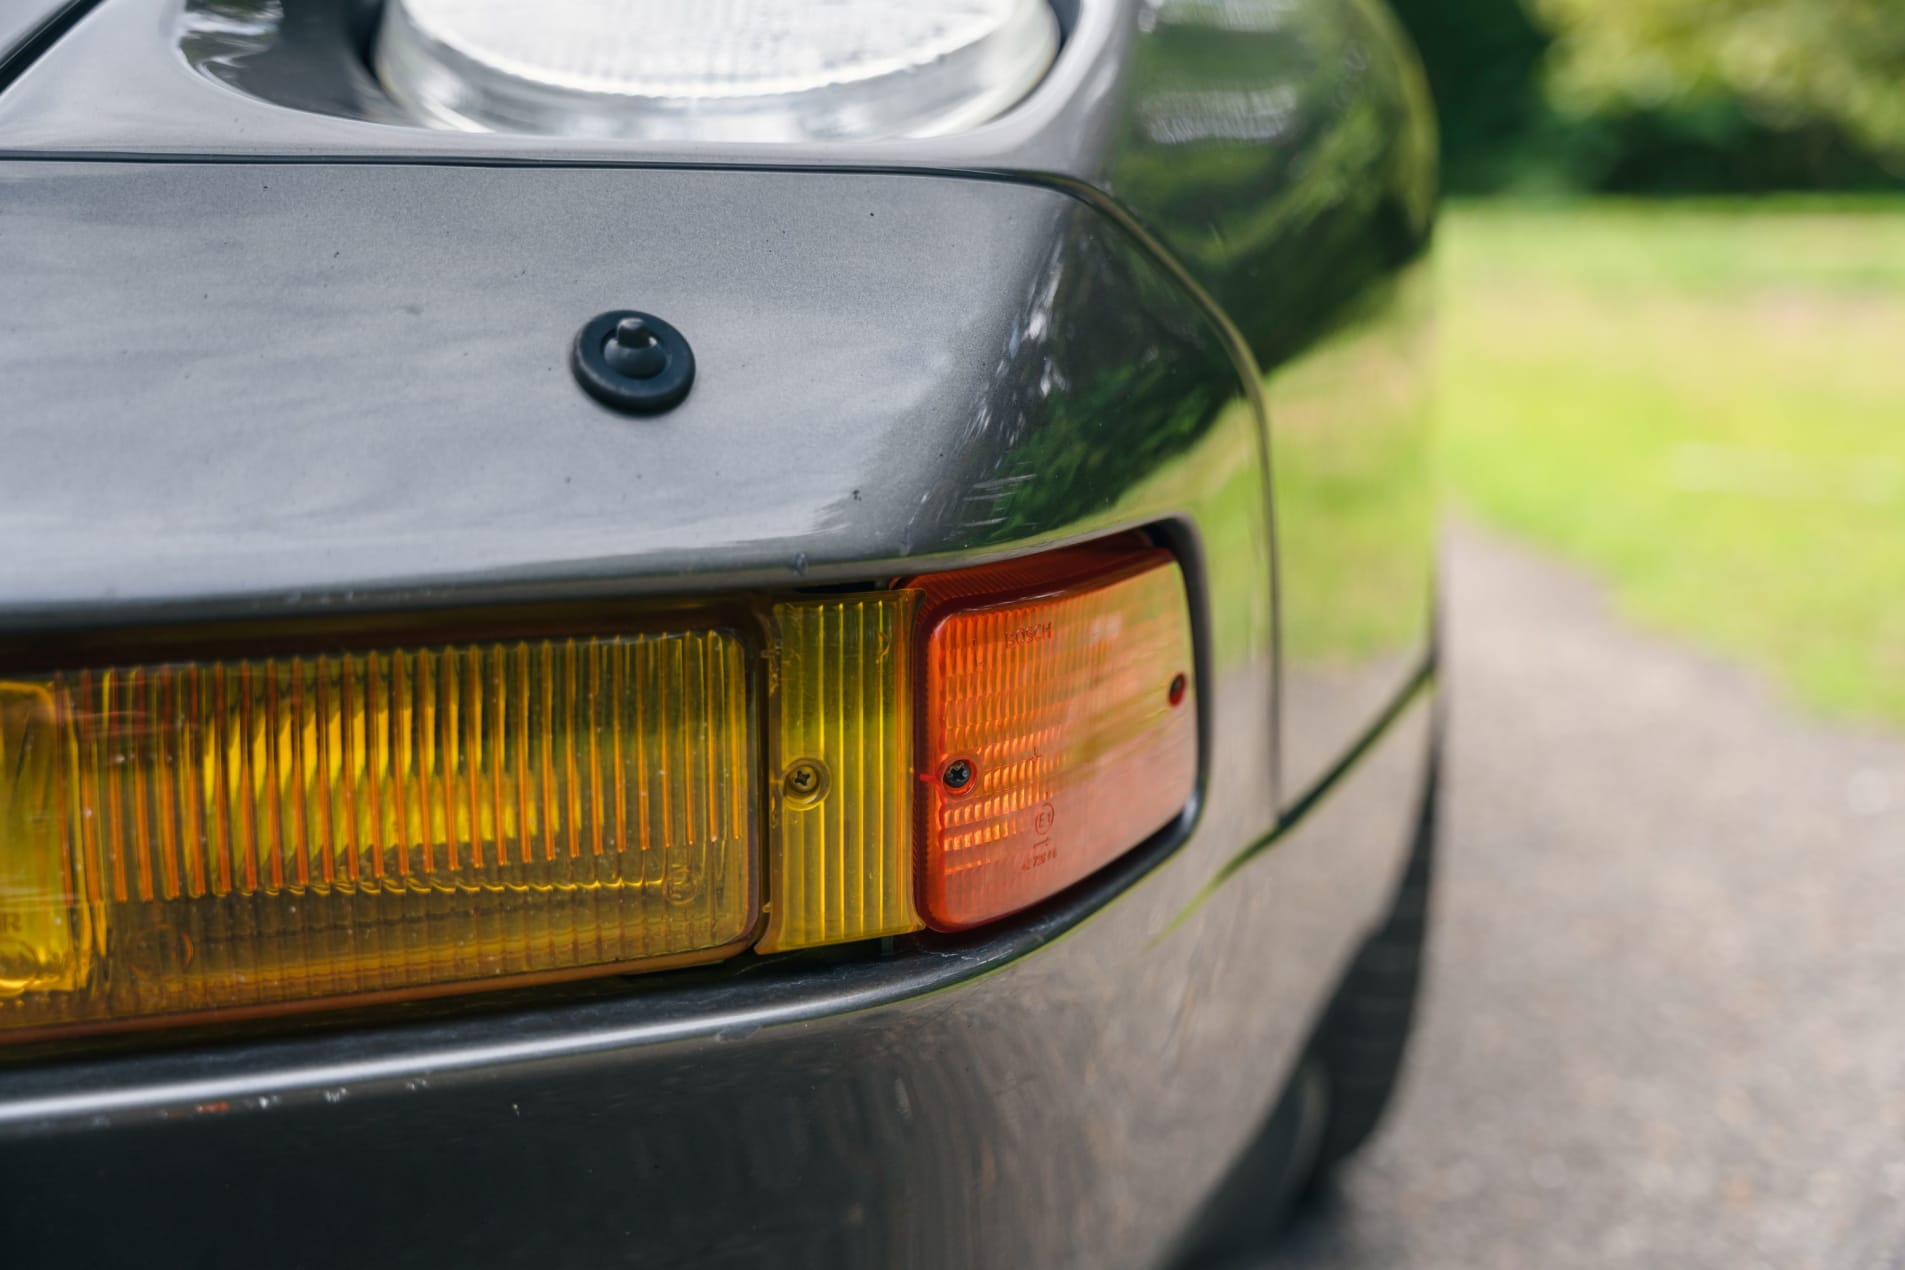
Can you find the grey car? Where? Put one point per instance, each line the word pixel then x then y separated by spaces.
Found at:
pixel 674 633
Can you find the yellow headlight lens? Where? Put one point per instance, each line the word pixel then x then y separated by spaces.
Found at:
pixel 180 839
pixel 841 845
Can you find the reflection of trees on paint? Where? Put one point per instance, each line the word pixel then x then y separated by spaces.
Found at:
pixel 1282 153
pixel 1355 495
pixel 1109 373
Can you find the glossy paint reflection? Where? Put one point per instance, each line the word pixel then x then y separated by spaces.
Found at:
pixel 336 406
pixel 1356 520
pixel 21 21
pixel 1281 151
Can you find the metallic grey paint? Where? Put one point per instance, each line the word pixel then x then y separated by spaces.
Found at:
pixel 323 401
pixel 1284 155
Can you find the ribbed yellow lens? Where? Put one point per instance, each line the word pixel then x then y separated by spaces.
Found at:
pixel 841 846
pixel 178 839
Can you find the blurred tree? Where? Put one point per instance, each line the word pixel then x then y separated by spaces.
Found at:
pixel 1484 60
pixel 1665 95
pixel 1792 65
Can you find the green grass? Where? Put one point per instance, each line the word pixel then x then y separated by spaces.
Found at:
pixel 1705 403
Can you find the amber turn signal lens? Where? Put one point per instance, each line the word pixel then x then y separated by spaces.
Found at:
pixel 1059 726
pixel 252 835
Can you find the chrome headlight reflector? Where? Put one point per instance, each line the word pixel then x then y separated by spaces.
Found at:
pixel 714 70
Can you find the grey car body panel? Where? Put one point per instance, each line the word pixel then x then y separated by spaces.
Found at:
pixel 1183 276
pixel 22 21
pixel 381 408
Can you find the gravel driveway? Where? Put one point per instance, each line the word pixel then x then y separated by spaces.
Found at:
pixel 1665 1022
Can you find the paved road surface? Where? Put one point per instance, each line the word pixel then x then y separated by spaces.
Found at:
pixel 1666 1005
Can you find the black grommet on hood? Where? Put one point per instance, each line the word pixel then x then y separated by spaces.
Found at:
pixel 633 362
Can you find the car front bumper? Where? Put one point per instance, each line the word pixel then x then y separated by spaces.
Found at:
pixel 1065 1093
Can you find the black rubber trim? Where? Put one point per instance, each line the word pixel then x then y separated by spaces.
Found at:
pixel 45 36
pixel 649 390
